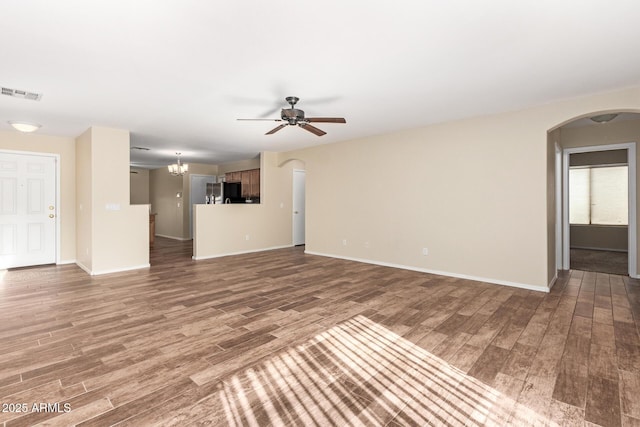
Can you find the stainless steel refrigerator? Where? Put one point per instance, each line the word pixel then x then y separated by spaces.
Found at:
pixel 214 193
pixel 224 192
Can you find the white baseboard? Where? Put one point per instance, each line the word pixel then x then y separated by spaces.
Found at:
pixel 82 266
pixel 117 270
pixel 240 252
pixel 553 281
pixel 66 261
pixel 440 273
pixel 173 237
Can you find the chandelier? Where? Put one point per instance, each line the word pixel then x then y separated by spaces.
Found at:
pixel 179 168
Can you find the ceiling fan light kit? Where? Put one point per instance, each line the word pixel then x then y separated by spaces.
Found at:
pixel 604 118
pixel 294 116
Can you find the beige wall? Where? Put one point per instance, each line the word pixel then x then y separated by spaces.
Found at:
pixel 475 192
pixel 112 234
pixel 611 157
pixel 65 148
pixel 553 138
pixel 223 229
pixel 604 237
pixel 84 212
pixel 139 186
pixel 449 188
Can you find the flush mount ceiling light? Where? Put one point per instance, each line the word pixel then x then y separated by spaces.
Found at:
pixel 179 168
pixel 604 118
pixel 24 126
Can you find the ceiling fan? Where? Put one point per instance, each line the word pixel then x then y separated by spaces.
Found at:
pixel 293 116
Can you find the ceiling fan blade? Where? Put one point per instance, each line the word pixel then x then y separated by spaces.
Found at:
pixel 275 129
pixel 326 120
pixel 262 120
pixel 314 130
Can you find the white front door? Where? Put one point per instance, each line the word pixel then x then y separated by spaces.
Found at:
pixel 298 207
pixel 27 210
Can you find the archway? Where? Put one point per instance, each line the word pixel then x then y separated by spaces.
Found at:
pixel 582 134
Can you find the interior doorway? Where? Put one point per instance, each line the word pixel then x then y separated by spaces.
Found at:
pixel 299 181
pixel 631 180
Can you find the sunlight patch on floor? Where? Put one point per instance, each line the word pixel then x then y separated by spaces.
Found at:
pixel 360 373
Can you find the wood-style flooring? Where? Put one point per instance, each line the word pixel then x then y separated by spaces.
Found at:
pixel 284 338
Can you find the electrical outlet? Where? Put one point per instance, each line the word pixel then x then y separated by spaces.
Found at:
pixel 344 242
pixel 425 251
pixel 366 244
pixel 246 237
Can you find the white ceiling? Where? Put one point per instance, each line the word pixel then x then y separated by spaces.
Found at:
pixel 178 73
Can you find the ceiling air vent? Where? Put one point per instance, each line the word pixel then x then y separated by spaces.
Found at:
pixel 17 93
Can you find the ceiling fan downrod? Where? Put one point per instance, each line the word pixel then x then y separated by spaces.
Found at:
pixel 292 100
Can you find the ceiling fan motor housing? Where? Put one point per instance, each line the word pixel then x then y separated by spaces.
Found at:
pixel 292 115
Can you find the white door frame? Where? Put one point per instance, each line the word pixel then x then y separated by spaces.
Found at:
pixel 559 244
pixel 293 214
pixel 56 158
pixel 631 160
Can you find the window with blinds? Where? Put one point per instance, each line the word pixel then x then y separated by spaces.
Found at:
pixel 599 195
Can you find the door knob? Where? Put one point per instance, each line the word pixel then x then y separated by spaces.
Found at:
pixel 51 208
pixel 51 215
pixel 295 212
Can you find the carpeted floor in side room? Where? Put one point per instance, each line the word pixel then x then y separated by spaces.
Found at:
pixel 600 261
